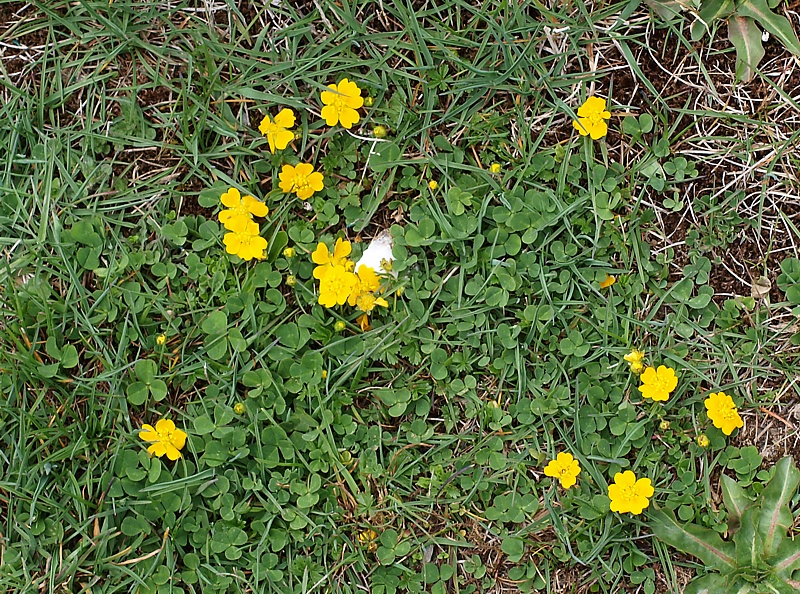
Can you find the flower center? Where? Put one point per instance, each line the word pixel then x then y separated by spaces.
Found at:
pixel 241 210
pixel 564 471
pixel 728 414
pixel 338 102
pixel 366 302
pixel 300 182
pixel 660 384
pixel 244 238
pixel 337 284
pixel 628 493
pixel 595 118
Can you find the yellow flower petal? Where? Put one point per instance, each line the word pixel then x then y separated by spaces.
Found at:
pixel 148 433
pixel 341 250
pixel 157 449
pixel 255 207
pixel 231 198
pixel 348 117
pixel 285 118
pixel 165 426
pixel 283 138
pixel 316 181
pixel 321 255
pixel 172 452
pixel 607 282
pixel 330 114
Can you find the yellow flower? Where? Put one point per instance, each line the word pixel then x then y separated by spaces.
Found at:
pixel 161 339
pixel 240 210
pixel 723 413
pixel 628 494
pixel 565 468
pixel 324 373
pixel 363 322
pixel 244 241
pixel 380 132
pixel 289 252
pixel 302 180
pixel 166 437
pixel 494 167
pixel 326 260
pixel 277 132
pixel 664 425
pixel 703 441
pixel 368 282
pixel 591 118
pixel 433 184
pixel 607 282
pixel 238 408
pixel 658 383
pixel 291 280
pixel 336 286
pixel 366 302
pixel 634 359
pixel 341 103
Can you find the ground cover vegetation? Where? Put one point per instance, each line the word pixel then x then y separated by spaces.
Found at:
pixel 397 297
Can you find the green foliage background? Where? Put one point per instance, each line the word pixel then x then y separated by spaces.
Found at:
pixel 407 458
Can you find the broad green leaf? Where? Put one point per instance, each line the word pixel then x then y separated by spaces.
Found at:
pixel 48 371
pixel 783 586
pixel 787 559
pixel 711 10
pixel 793 294
pixel 384 155
pixel 158 388
pixel 736 501
pixel 708 584
pixel 747 539
pixel 667 10
pixel 513 547
pixel 702 543
pixel 137 393
pixel 215 323
pixel 776 517
pixel 777 25
pixel 69 356
pixel 51 348
pixel 746 38
pixel 145 370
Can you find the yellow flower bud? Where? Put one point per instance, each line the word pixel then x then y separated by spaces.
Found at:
pixel 380 132
pixel 324 373
pixel 494 167
pixel 289 252
pixel 433 184
pixel 161 339
pixel 339 326
pixel 238 408
pixel 702 440
pixel 664 425
pixel 399 291
pixel 291 280
pixel 369 101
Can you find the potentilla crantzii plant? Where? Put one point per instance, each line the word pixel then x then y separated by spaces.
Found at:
pixel 760 557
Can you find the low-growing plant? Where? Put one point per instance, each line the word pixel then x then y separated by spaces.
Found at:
pixel 743 18
pixel 760 557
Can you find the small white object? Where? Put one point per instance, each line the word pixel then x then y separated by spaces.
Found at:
pixel 765 36
pixel 378 251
